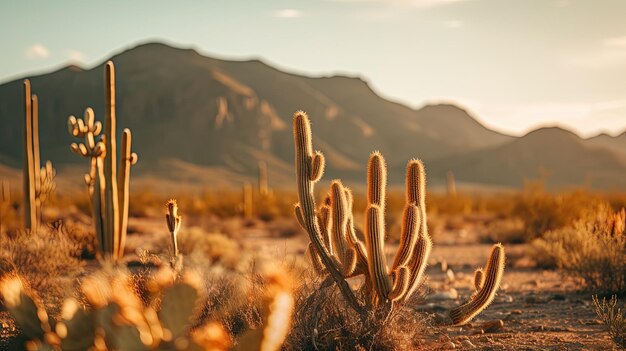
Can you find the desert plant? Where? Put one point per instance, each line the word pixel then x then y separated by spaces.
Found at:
pixel 38 182
pixel 613 317
pixel 592 248
pixel 109 194
pixel 48 259
pixel 263 182
pixel 114 317
pixel 336 250
pixel 174 221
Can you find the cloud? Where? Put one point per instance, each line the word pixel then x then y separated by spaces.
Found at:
pixel 75 55
pixel 37 51
pixel 453 24
pixel 288 13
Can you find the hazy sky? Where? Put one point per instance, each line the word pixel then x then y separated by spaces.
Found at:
pixel 515 64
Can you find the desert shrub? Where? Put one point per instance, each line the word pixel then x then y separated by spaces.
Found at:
pixel 323 321
pixel 613 317
pixel 542 211
pixel 202 250
pixel 47 259
pixel 593 249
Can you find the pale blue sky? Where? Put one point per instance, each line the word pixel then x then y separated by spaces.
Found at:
pixel 515 64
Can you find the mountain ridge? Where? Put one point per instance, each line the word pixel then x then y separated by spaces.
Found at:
pixel 227 114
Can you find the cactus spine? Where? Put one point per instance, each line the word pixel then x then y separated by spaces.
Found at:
pixel 335 249
pixel 109 200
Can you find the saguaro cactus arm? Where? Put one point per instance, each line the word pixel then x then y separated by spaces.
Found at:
pixel 128 159
pixel 309 169
pixel 484 295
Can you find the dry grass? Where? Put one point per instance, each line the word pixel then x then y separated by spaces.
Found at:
pixel 323 321
pixel 593 249
pixel 614 319
pixel 47 258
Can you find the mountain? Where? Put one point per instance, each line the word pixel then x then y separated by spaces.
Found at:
pixel 567 159
pixel 615 143
pixel 216 113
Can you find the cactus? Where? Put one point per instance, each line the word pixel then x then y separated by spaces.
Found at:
pixel 108 190
pixel 38 182
pixel 263 182
pixel 30 207
pixel 486 283
pixel 174 222
pixel 451 184
pixel 114 318
pixel 335 249
pixel 5 198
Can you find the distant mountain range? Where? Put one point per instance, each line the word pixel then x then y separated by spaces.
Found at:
pixel 198 119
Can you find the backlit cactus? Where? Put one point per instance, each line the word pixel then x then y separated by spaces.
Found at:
pixel 38 182
pixel 174 221
pixel 486 283
pixel 336 250
pixel 114 317
pixel 109 191
pixel 263 181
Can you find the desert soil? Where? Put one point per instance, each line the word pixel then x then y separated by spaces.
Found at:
pixel 540 310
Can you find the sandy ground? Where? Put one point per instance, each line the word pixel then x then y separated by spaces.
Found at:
pixel 540 310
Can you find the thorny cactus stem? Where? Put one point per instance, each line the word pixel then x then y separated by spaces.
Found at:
pixel 309 169
pixel 128 159
pixel 337 251
pixel 111 204
pixel 490 281
pixel 30 206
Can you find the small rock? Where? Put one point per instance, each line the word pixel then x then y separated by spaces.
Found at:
pixel 451 294
pixel 492 326
pixel 539 328
pixel 467 343
pixel 450 274
pixel 593 322
pixel 532 299
pixel 450 346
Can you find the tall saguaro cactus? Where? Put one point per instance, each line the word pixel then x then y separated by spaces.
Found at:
pixel 38 182
pixel 109 191
pixel 335 249
pixel 30 207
